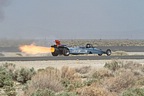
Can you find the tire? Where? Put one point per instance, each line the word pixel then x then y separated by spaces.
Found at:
pixel 99 54
pixel 66 52
pixel 108 52
pixel 55 53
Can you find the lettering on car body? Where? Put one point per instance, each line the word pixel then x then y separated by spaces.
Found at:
pixel 79 51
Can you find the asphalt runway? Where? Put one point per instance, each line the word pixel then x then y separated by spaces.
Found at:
pixel 68 58
pixel 113 48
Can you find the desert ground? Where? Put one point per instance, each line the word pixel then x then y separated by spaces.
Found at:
pixel 59 64
pixel 116 78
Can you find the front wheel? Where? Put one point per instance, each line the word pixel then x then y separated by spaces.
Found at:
pixel 108 52
pixel 66 52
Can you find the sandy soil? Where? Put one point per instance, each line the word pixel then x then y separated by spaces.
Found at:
pixel 58 64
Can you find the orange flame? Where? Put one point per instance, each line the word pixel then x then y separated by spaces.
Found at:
pixel 33 49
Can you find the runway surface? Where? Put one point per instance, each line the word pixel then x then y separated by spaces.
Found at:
pixel 113 48
pixel 68 58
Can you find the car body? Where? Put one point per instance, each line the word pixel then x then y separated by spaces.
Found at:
pixel 88 49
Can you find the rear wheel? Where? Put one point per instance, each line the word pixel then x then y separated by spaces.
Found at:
pixel 66 52
pixel 99 54
pixel 108 52
pixel 55 53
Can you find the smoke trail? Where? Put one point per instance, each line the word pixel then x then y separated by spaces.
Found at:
pixel 3 3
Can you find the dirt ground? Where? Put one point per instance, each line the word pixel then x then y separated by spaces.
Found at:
pixel 60 63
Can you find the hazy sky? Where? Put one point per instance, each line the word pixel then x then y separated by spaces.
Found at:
pixel 70 19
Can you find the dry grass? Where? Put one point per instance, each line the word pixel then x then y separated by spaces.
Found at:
pixel 94 91
pixel 126 75
pixel 70 74
pixel 70 78
pixel 100 82
pixel 101 73
pixel 83 70
pixel 112 80
pixel 133 65
pixel 49 78
pixel 121 82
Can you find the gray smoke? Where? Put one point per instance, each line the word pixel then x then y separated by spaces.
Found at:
pixel 3 3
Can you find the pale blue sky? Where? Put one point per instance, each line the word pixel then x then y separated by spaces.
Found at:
pixel 72 19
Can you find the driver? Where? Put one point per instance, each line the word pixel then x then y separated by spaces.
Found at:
pixel 57 42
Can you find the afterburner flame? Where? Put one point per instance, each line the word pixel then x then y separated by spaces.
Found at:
pixel 33 49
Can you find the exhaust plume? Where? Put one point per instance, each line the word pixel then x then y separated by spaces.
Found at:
pixel 3 3
pixel 33 49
